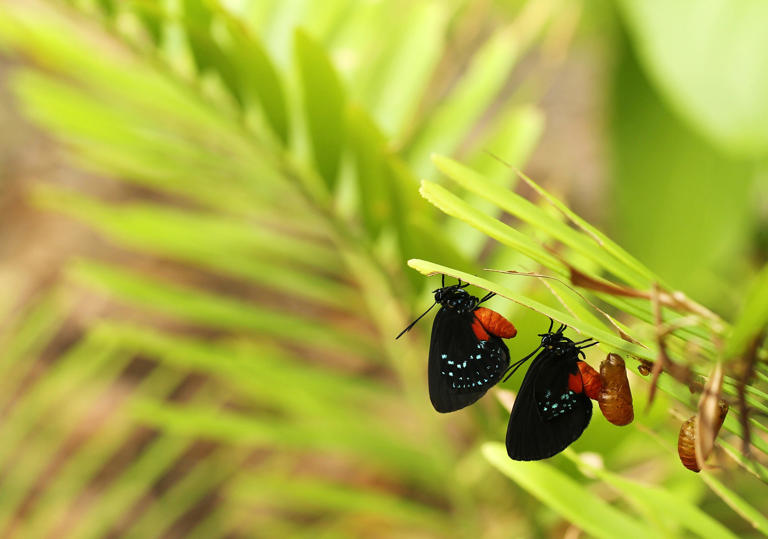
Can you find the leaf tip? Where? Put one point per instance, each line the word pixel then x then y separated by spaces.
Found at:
pixel 420 266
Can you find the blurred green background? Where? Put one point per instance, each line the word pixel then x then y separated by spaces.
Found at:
pixel 207 211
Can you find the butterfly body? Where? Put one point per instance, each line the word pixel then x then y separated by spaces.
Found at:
pixel 551 409
pixel 465 358
pixel 467 355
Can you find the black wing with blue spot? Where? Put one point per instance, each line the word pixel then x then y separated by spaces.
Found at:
pixel 462 367
pixel 547 416
pixel 553 398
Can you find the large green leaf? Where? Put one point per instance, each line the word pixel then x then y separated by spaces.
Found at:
pixel 679 203
pixel 709 58
pixel 324 105
pixel 660 505
pixel 572 500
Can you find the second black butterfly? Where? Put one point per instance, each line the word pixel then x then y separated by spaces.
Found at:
pixel 551 409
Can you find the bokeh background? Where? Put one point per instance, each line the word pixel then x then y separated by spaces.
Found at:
pixel 207 210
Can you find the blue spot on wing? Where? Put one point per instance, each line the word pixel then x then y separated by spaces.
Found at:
pixel 554 406
pixel 479 368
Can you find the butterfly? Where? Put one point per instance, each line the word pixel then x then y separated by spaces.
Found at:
pixel 551 409
pixel 467 355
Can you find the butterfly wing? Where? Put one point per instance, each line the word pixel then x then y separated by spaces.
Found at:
pixel 547 416
pixel 462 367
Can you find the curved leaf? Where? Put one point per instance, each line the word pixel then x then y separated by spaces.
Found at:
pixel 324 105
pixel 572 500
pixel 710 59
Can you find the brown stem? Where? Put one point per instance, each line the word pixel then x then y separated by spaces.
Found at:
pixel 750 359
pixel 674 300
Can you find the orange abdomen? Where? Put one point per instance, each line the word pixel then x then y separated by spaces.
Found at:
pixel 615 397
pixel 493 323
pixel 590 381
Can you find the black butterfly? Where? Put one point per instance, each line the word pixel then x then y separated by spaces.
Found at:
pixel 465 357
pixel 551 410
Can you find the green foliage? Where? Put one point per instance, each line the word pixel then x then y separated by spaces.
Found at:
pixel 690 50
pixel 559 491
pixel 240 374
pixel 662 167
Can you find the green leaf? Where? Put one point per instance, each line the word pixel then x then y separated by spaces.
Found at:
pixel 476 90
pixel 710 60
pixel 257 370
pixel 59 396
pixel 394 105
pixel 564 495
pixel 93 456
pixel 513 134
pixel 186 494
pixel 752 320
pixel 107 6
pixel 599 333
pixel 212 310
pixel 456 207
pixel 131 141
pixel 523 209
pixel 373 175
pixel 23 337
pixel 326 496
pixel 403 456
pixel 666 171
pixel 197 20
pixel 285 262
pixel 152 18
pixel 324 105
pixel 206 51
pixel 259 79
pixel 660 503
pixel 737 503
pixel 131 484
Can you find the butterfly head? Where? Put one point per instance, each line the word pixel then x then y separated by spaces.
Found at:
pixel 456 298
pixel 557 342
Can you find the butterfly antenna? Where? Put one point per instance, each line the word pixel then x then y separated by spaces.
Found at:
pixel 517 364
pixel 488 296
pixel 414 322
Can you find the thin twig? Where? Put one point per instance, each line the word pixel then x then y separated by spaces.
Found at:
pixel 750 359
pixel 662 359
pixel 674 300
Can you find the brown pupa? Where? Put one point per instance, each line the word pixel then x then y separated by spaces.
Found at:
pixel 615 397
pixel 686 441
